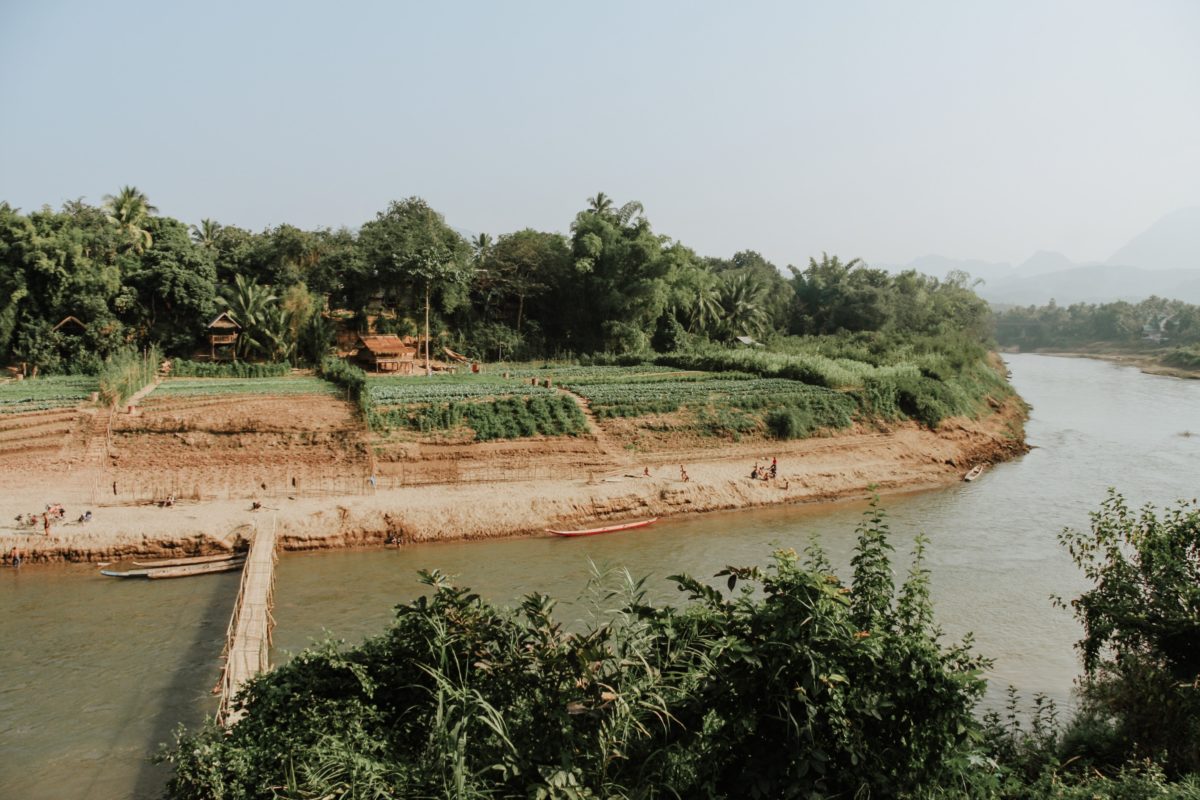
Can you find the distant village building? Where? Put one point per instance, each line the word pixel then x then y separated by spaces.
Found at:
pixel 385 353
pixel 223 336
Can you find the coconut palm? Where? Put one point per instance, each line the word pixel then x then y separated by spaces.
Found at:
pixel 601 203
pixel 205 234
pixel 129 209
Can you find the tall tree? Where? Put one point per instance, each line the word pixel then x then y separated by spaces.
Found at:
pixel 205 234
pixel 129 209
pixel 410 247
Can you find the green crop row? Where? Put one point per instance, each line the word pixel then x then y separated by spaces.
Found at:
pixel 196 387
pixel 444 388
pixel 182 368
pixel 503 418
pixel 40 394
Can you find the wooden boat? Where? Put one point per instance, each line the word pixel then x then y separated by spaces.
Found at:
pixel 178 572
pixel 975 472
pixel 180 562
pixel 628 526
pixel 196 569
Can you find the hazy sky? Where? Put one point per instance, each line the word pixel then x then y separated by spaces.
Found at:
pixel 877 129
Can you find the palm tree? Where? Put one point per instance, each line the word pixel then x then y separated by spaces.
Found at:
pixel 251 305
pixel 129 209
pixel 706 309
pixel 482 244
pixel 742 303
pixel 601 203
pixel 205 234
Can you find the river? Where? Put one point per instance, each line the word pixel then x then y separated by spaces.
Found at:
pixel 94 673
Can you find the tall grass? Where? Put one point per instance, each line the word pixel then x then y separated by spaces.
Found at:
pixel 127 371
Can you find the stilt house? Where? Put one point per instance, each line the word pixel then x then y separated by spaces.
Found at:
pixel 223 334
pixel 385 353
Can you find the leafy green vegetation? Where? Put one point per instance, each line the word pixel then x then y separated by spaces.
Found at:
pixel 614 285
pixel 786 681
pixel 791 684
pixel 492 407
pixel 509 417
pixel 440 388
pixel 220 387
pixel 46 392
pixel 1152 324
pixel 183 368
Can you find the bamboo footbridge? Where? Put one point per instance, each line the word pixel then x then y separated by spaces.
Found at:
pixel 248 639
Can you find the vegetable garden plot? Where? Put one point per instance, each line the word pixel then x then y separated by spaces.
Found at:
pixel 408 391
pixel 217 387
pixel 636 398
pixel 41 394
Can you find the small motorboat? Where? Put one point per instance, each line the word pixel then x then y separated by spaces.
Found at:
pixel 627 526
pixel 975 472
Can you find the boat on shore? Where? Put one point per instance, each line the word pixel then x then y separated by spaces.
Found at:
pixel 627 526
pixel 975 472
pixel 182 562
pixel 182 571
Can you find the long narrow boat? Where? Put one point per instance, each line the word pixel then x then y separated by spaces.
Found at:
pixel 975 472
pixel 196 569
pixel 181 562
pixel 177 572
pixel 641 523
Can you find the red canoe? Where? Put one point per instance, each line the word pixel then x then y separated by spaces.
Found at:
pixel 641 523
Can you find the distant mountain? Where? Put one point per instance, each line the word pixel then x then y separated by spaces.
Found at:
pixel 1171 243
pixel 1163 260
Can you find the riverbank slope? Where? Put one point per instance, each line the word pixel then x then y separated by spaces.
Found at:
pixel 480 491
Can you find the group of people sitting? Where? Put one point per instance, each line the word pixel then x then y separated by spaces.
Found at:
pixel 54 512
pixel 765 473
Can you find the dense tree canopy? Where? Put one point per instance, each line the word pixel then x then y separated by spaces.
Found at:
pixel 135 278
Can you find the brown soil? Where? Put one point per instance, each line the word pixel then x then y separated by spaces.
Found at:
pixel 307 462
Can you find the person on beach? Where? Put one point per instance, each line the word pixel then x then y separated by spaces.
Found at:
pixel 646 472
pixel 683 476
pixel 46 523
pixel 16 557
pixel 774 467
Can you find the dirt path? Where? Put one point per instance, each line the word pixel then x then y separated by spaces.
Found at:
pixel 602 441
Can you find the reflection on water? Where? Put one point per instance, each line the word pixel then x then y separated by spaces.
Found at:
pixel 93 672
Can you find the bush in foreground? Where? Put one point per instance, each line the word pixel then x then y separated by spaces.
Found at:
pixel 794 684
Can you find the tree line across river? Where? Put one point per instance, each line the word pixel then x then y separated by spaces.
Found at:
pixel 131 277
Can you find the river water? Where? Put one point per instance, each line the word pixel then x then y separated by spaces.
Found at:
pixel 94 673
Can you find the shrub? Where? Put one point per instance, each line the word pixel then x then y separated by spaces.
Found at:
pixel 794 685
pixel 183 368
pixel 789 423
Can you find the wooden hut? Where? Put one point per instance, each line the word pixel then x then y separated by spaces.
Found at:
pixel 70 326
pixel 223 333
pixel 385 353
